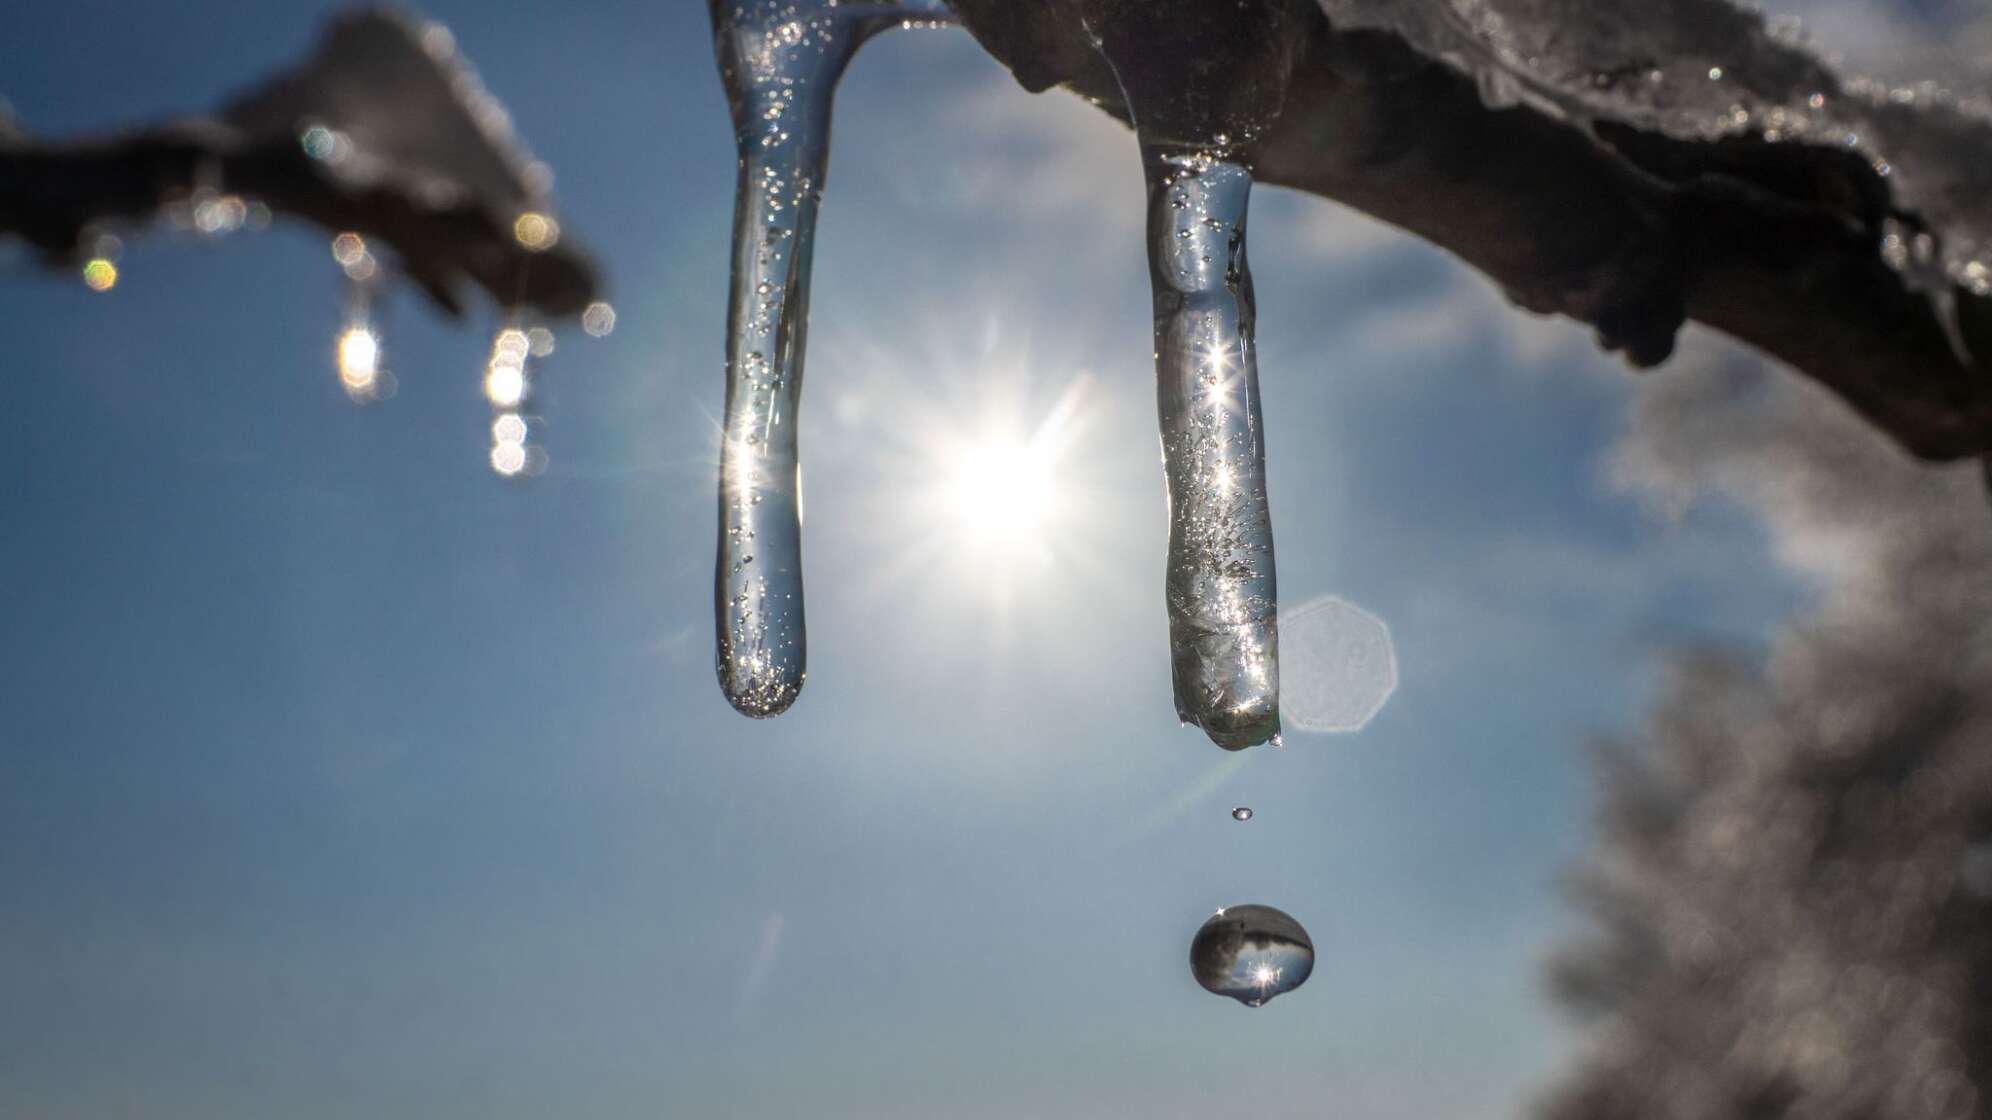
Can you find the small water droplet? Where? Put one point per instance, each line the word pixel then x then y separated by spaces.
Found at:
pixel 1251 953
pixel 1242 813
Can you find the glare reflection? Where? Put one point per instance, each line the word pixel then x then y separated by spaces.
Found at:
pixel 220 214
pixel 100 275
pixel 1217 392
pixel 510 427
pixel 505 377
pixel 324 144
pixel 506 387
pixel 508 459
pixel 348 248
pixel 511 342
pixel 740 463
pixel 359 361
pixel 535 231
pixel 599 319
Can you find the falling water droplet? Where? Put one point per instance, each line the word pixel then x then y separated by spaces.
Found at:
pixel 779 61
pixel 1242 813
pixel 1251 953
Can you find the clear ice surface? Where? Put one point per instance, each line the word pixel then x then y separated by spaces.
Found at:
pixel 1251 953
pixel 1221 589
pixel 779 61
pixel 1220 586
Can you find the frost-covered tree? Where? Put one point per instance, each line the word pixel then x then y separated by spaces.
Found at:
pixel 1792 879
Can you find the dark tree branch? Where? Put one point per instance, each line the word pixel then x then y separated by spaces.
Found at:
pixel 413 155
pixel 1626 229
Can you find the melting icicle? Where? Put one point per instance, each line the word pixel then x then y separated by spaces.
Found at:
pixel 1222 592
pixel 779 61
pixel 1251 953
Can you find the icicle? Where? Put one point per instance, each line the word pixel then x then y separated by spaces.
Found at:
pixel 1222 592
pixel 780 61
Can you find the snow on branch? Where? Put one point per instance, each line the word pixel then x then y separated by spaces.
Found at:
pixel 384 131
pixel 1698 166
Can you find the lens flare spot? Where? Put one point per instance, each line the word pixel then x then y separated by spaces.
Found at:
pixel 100 275
pixel 535 231
pixel 359 358
pixel 508 459
pixel 348 249
pixel 509 428
pixel 599 319
pixel 505 383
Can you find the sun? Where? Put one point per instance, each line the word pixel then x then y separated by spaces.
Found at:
pixel 981 485
pixel 1003 491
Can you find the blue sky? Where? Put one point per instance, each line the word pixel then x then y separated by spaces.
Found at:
pixel 343 778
